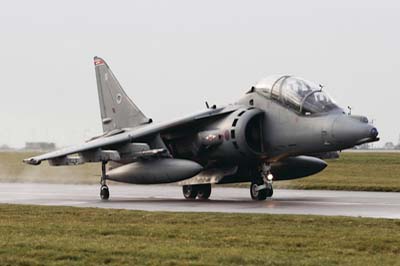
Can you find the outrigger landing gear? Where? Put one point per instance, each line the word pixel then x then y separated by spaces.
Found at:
pixel 261 188
pixel 104 191
pixel 202 192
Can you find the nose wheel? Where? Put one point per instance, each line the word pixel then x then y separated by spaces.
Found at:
pixel 261 191
pixel 104 191
pixel 261 188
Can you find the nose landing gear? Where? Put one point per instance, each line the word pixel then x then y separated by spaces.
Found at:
pixel 261 188
pixel 104 191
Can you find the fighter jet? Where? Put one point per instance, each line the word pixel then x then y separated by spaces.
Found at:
pixel 279 130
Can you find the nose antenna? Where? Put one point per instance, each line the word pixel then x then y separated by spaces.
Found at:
pixel 349 107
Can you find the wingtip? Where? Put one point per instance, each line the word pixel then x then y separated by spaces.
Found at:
pixel 31 161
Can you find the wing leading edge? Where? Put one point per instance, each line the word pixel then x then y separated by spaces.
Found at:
pixel 107 142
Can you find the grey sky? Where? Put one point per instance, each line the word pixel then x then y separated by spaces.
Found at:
pixel 170 56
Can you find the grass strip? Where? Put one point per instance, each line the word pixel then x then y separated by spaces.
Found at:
pixel 38 235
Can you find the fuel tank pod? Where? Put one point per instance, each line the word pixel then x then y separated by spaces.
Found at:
pixel 297 167
pixel 155 171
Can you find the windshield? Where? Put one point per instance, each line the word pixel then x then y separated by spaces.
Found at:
pixel 302 96
pixel 294 90
pixel 318 102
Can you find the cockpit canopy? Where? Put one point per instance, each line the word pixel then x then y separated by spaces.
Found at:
pixel 297 94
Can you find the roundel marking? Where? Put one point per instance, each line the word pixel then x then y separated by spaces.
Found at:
pixel 119 98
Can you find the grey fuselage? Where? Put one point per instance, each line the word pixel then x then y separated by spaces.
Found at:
pixel 264 129
pixel 288 133
pixel 284 124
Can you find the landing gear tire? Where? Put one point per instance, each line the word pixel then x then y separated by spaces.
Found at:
pixel 261 187
pixel 204 191
pixel 104 192
pixel 258 194
pixel 270 191
pixel 189 192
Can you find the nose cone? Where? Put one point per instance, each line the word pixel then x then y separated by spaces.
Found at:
pixel 374 133
pixel 350 131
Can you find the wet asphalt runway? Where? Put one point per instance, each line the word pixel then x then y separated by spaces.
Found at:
pixel 223 199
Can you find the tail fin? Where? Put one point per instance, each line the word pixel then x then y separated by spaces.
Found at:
pixel 117 109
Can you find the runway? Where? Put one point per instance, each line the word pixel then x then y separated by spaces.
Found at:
pixel 223 199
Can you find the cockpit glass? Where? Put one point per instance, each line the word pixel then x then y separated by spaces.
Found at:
pixel 318 102
pixel 302 96
pixel 293 91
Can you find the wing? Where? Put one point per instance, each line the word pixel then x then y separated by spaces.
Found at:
pixel 102 148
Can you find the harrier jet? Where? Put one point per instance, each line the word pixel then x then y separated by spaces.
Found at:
pixel 279 130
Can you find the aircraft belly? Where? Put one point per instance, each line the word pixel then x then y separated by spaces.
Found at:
pixel 210 176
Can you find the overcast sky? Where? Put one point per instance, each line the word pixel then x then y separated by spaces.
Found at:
pixel 171 56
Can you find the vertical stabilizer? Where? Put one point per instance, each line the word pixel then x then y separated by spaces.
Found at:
pixel 117 109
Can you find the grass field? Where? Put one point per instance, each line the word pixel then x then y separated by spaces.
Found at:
pixel 82 236
pixel 13 170
pixel 353 171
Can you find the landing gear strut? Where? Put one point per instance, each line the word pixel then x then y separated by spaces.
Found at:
pixel 261 188
pixel 104 191
pixel 202 192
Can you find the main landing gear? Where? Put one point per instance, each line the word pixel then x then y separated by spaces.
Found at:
pixel 202 192
pixel 261 188
pixel 104 191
